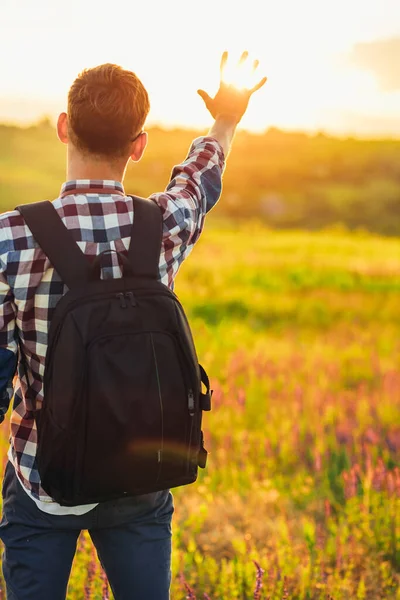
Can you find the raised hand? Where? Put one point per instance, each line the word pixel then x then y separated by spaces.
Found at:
pixel 235 88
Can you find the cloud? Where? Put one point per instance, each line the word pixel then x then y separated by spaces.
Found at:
pixel 382 58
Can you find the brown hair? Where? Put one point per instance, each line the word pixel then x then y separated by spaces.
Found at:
pixel 107 108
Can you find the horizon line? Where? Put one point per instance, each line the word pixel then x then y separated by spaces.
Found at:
pixel 309 132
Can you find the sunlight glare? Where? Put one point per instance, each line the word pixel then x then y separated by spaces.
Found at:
pixel 311 84
pixel 239 75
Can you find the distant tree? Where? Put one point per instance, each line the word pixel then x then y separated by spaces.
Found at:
pixel 45 122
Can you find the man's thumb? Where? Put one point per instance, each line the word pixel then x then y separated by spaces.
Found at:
pixel 205 97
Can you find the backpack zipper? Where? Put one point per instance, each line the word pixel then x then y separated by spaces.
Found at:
pixel 187 375
pixel 191 415
pixel 122 296
pixel 122 300
pixel 99 298
pixel 191 402
pixel 131 298
pixel 160 451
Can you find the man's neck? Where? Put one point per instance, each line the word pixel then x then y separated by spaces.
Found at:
pixel 79 167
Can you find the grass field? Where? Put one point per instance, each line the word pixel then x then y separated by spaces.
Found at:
pixel 289 180
pixel 301 334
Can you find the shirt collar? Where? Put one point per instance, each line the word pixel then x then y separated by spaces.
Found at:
pixel 96 186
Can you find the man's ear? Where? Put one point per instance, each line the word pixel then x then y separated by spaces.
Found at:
pixel 139 146
pixel 62 128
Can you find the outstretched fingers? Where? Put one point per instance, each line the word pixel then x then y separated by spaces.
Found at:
pixel 206 99
pixel 244 57
pixel 258 85
pixel 224 60
pixel 204 95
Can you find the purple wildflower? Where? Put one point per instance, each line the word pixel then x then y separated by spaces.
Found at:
pixel 90 575
pixel 259 584
pixel 190 592
pixel 105 595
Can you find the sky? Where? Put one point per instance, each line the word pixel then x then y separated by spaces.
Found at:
pixel 331 66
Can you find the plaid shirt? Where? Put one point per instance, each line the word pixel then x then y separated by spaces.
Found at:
pixel 30 288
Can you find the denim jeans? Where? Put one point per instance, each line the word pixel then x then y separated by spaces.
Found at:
pixel 132 537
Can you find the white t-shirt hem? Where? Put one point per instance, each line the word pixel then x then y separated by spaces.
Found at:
pixel 51 507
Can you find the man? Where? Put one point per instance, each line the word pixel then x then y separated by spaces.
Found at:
pixel 103 130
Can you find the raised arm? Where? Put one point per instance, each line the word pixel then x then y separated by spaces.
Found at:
pixel 237 85
pixel 196 183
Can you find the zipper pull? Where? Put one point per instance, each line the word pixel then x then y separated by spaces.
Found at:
pixel 191 402
pixel 131 298
pixel 122 300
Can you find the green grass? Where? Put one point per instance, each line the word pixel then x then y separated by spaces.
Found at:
pixel 286 179
pixel 301 335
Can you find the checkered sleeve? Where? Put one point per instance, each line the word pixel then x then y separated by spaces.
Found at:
pixel 8 343
pixel 194 189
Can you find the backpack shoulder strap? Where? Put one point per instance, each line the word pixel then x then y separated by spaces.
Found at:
pixel 145 246
pixel 56 242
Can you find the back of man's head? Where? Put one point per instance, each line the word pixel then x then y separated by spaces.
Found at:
pixel 107 108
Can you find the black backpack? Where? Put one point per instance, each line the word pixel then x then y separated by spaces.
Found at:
pixel 123 396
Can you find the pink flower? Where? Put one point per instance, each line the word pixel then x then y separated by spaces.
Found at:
pixel 259 584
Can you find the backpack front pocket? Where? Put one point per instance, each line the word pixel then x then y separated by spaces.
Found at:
pixel 134 414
